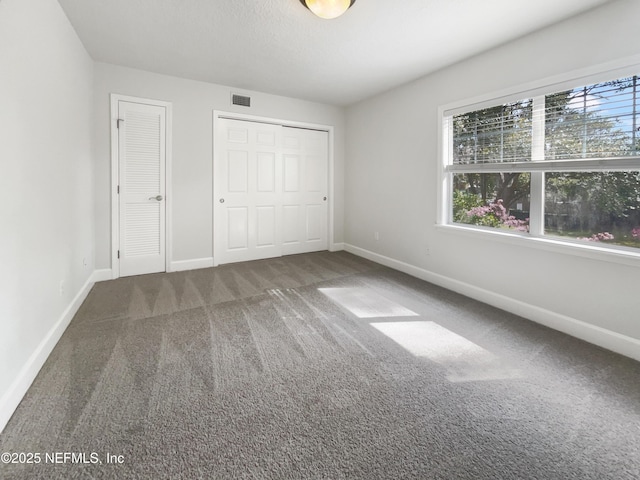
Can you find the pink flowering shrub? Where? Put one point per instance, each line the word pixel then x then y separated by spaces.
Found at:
pixel 635 233
pixel 496 215
pixel 598 237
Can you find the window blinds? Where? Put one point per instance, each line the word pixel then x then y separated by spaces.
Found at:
pixel 595 121
pixel 493 135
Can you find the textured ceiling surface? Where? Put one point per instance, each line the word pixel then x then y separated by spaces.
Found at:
pixel 279 47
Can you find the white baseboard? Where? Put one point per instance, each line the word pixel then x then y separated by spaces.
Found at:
pixel 13 396
pixel 194 264
pixel 336 247
pixel 602 337
pixel 102 275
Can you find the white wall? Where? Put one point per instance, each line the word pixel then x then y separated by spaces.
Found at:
pixel 193 105
pixel 391 185
pixel 46 186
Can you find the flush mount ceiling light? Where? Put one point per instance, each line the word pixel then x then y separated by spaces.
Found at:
pixel 328 8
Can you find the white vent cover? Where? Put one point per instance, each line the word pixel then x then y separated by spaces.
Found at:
pixel 240 100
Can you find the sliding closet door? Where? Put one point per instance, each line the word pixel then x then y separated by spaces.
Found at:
pixel 270 189
pixel 247 184
pixel 305 190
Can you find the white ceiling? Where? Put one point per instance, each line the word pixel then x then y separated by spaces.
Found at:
pixel 279 47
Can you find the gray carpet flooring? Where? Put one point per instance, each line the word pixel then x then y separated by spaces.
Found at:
pixel 317 366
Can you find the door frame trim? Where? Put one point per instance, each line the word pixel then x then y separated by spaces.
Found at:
pixel 217 114
pixel 115 175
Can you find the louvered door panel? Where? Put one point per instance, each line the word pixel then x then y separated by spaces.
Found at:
pixel 142 230
pixel 142 153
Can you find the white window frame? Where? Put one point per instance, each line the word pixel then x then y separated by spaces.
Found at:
pixel 536 91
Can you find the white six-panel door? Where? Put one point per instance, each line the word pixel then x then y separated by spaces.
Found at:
pixel 247 181
pixel 141 166
pixel 304 190
pixel 270 189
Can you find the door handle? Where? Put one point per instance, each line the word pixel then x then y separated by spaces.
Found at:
pixel 157 197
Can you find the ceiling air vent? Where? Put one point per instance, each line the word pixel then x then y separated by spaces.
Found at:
pixel 240 100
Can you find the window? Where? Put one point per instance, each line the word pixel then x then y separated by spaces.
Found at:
pixel 563 165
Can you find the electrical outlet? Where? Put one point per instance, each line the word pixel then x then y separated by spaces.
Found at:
pixel 376 235
pixel 61 287
pixel 84 262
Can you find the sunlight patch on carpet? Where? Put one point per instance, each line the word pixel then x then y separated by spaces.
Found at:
pixel 463 360
pixel 365 303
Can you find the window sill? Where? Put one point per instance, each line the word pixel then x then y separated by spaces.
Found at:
pixel 553 244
